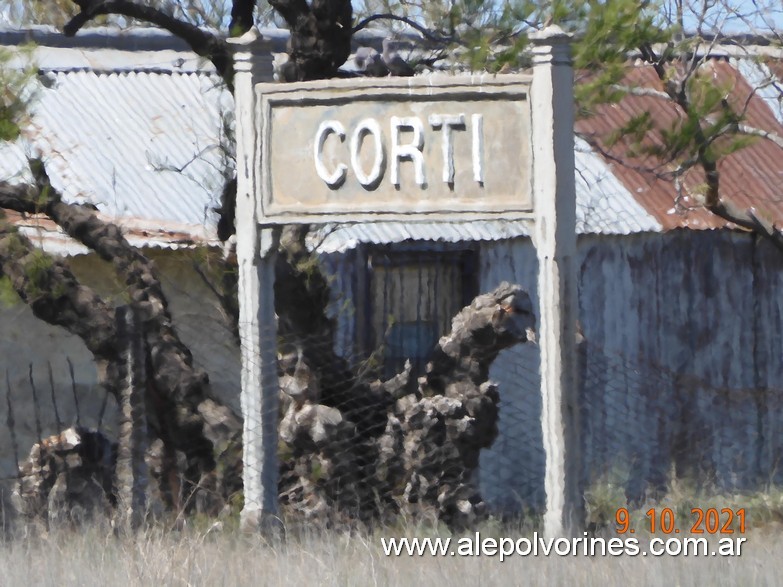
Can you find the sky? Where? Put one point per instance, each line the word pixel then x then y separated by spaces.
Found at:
pixel 734 16
pixel 728 16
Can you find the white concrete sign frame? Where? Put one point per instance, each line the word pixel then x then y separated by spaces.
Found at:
pixel 362 152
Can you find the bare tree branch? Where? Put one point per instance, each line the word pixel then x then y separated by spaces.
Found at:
pixel 410 22
pixel 749 219
pixel 182 388
pixel 202 42
pixel 758 132
pixel 655 170
pixel 54 294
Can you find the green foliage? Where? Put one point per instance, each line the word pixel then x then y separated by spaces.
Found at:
pixel 482 34
pixel 15 96
pixel 635 131
pixel 615 39
pixel 13 244
pixel 604 496
pixel 607 494
pixel 309 267
pixel 8 295
pixel 37 267
pixel 609 38
pixel 491 34
pixel 606 34
pixel 51 12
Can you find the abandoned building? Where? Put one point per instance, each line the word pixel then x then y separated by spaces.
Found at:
pixel 680 312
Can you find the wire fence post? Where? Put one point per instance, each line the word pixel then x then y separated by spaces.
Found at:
pixel 554 235
pixel 131 470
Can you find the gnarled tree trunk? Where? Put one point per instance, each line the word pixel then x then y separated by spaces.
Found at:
pixel 178 390
pixel 422 453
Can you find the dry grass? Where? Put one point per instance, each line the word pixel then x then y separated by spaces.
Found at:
pixel 155 557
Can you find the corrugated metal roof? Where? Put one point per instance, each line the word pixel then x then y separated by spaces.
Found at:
pixel 763 80
pixel 13 163
pixel 47 235
pixel 603 204
pixel 336 238
pixel 112 49
pixel 145 146
pixel 749 177
pixel 640 175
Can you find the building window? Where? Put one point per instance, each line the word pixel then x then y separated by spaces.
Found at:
pixel 413 296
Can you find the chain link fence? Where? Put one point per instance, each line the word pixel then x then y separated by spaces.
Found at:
pixel 373 426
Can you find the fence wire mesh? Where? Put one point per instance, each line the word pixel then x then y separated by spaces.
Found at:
pixel 362 437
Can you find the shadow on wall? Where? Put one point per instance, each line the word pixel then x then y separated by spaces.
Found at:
pixel 41 400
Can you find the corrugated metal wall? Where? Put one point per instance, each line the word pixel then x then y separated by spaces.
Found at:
pixel 682 365
pixel 681 369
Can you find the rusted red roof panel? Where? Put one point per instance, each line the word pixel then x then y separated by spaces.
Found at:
pixel 749 177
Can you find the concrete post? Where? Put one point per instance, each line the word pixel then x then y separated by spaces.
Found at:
pixel 257 327
pixel 131 471
pixel 554 236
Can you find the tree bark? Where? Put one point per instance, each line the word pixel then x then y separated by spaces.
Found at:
pixel 421 458
pixel 320 40
pixel 202 42
pixel 55 296
pixel 180 391
pixel 361 433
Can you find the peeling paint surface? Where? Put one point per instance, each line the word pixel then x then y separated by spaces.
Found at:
pixel 681 367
